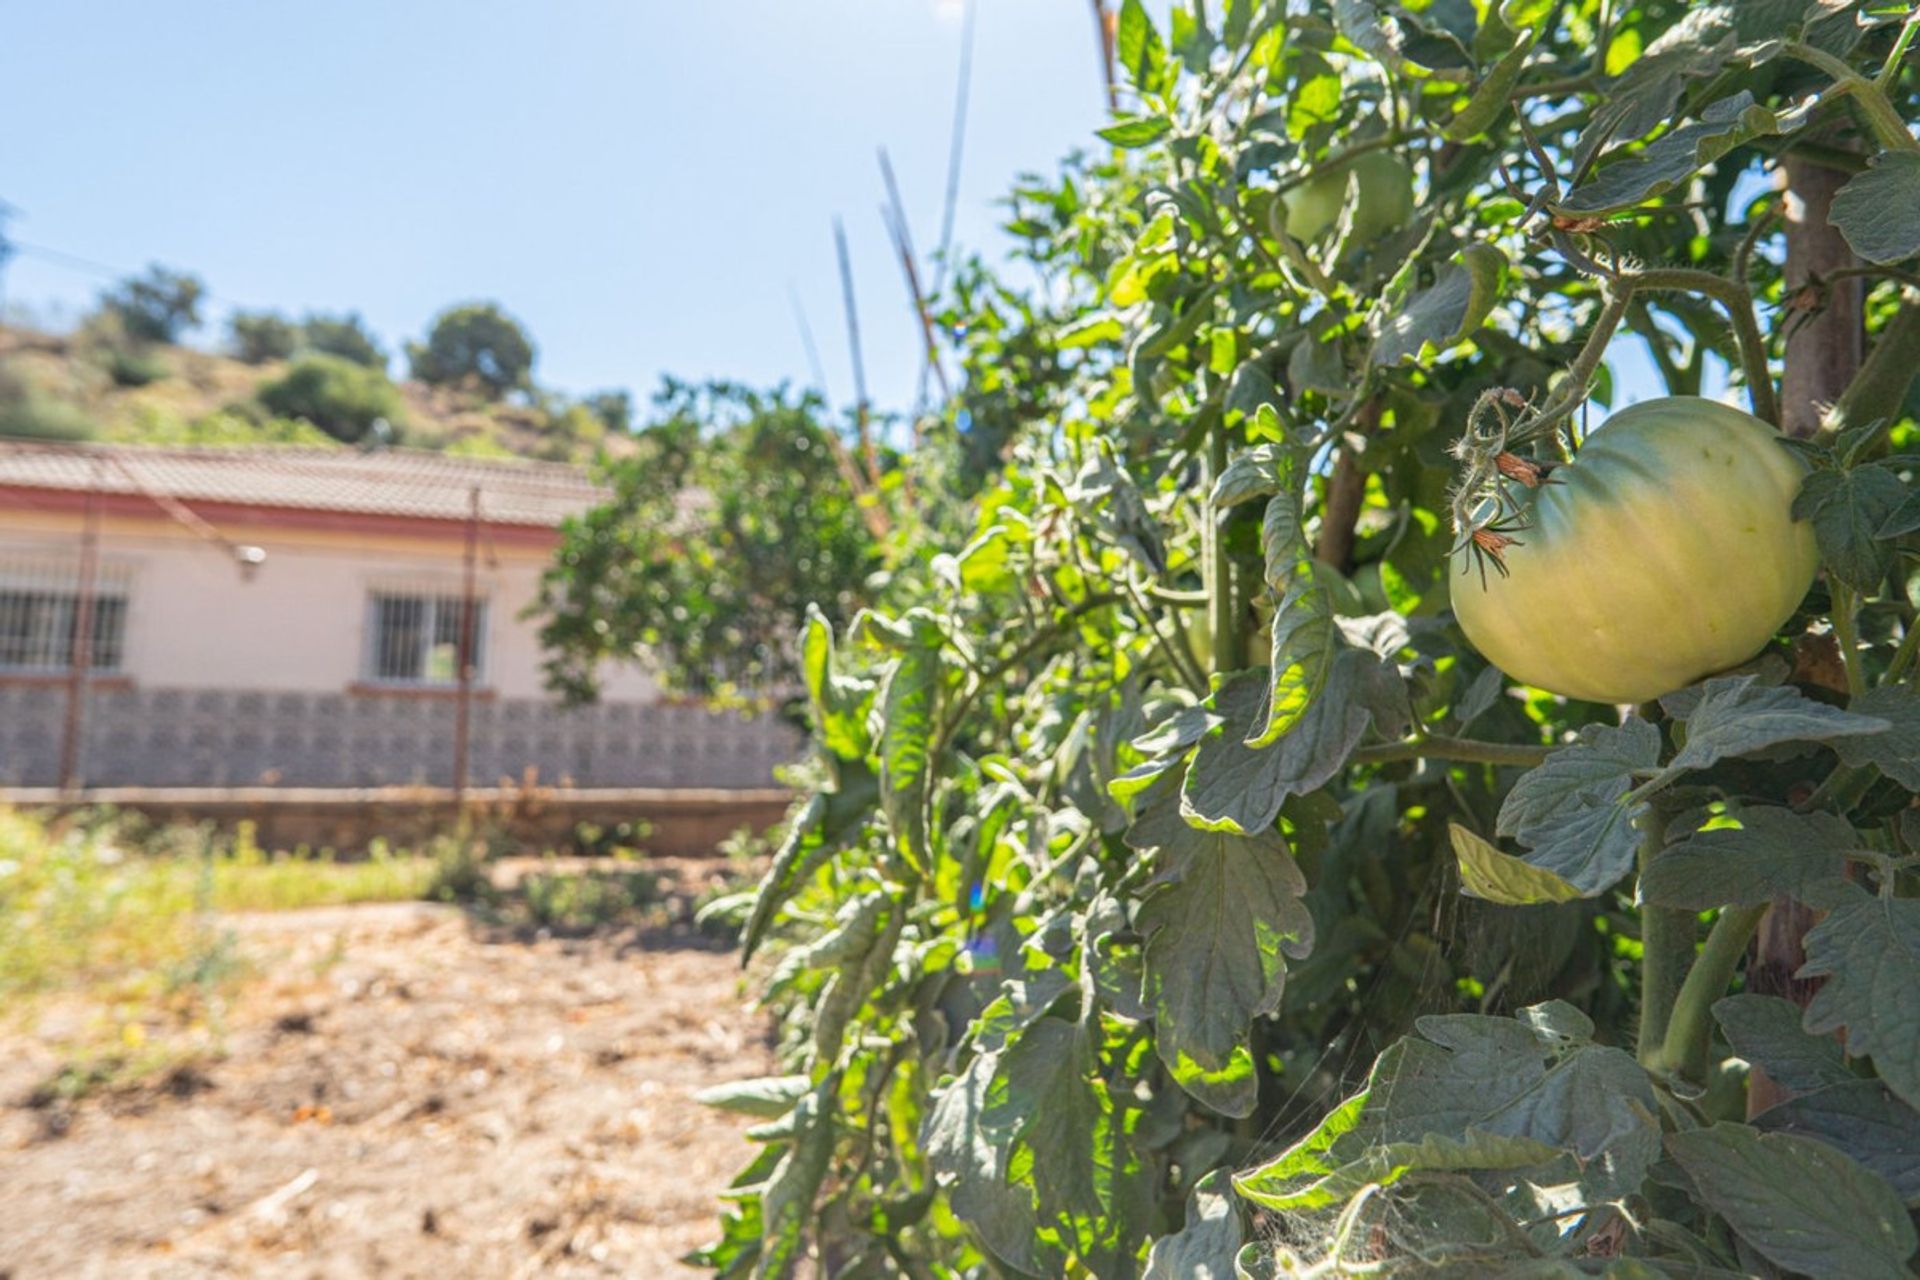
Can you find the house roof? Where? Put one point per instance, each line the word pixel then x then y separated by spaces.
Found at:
pixel 392 482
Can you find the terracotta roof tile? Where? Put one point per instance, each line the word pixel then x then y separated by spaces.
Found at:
pixel 395 482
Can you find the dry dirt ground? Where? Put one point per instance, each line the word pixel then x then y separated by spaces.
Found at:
pixel 404 1092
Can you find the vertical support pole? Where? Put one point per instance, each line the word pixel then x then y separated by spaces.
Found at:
pixel 469 606
pixel 80 652
pixel 1822 357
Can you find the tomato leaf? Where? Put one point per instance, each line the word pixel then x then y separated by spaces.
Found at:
pixel 1137 44
pixel 972 1163
pixel 1226 915
pixel 1734 716
pixel 1766 1031
pixel 1205 1247
pixel 1802 1204
pixel 1486 872
pixel 1848 509
pixel 840 702
pixel 1573 810
pixel 910 703
pixel 1671 160
pixel 1868 950
pixel 1253 473
pixel 1447 313
pixel 1490 96
pixel 1137 131
pixel 1773 851
pixel 1860 1118
pixel 1108 497
pixel 1234 787
pixel 1879 211
pixel 1304 637
pixel 787 1202
pixel 764 1097
pixel 1895 752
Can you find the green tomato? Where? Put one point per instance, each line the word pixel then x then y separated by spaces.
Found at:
pixel 1664 552
pixel 1385 199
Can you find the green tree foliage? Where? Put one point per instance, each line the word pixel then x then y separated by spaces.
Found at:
pixel 477 345
pixel 258 337
pixel 613 408
pixel 159 306
pixel 340 397
pixel 345 336
pixel 1121 929
pixel 729 520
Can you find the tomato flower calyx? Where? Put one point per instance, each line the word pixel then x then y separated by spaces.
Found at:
pixel 1524 471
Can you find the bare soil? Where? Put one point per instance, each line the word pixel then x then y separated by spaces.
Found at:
pixel 403 1092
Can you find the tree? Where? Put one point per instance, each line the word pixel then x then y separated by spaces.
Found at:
pixel 725 524
pixel 156 307
pixel 476 345
pixel 1178 891
pixel 613 408
pixel 345 336
pixel 262 336
pixel 340 397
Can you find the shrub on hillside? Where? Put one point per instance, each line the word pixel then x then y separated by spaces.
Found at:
pixel 156 307
pixel 260 336
pixel 345 336
pixel 340 397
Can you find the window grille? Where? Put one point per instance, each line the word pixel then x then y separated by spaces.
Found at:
pixel 415 639
pixel 40 609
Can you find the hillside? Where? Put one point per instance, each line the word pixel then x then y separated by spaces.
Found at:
pixel 72 387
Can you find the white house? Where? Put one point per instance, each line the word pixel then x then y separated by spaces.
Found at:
pixel 296 617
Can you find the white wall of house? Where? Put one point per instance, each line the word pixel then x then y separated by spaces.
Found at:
pixel 300 621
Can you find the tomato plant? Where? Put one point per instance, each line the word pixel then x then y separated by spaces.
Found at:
pixel 1106 943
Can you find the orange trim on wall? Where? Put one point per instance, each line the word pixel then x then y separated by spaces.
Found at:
pixel 236 513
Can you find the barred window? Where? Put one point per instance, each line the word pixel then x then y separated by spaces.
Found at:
pixel 415 639
pixel 37 629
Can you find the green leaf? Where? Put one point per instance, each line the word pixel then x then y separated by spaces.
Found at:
pixel 1673 160
pixel 1879 211
pixel 1204 1248
pixel 1253 473
pixel 1234 787
pixel 822 827
pixel 1801 1204
pixel 1860 1118
pixel 1847 509
pixel 1772 852
pixel 1136 132
pixel 1574 811
pixel 1449 312
pixel 971 1164
pixel 1766 1031
pixel 765 1097
pixel 1490 96
pixel 1224 916
pixel 1868 950
pixel 1734 716
pixel 840 703
pixel 1449 1097
pixel 1485 872
pixel 787 1202
pixel 1137 44
pixel 1304 637
pixel 1090 332
pixel 1904 520
pixel 1104 493
pixel 1896 752
pixel 909 705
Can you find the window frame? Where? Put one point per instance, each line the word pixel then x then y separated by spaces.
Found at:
pixel 111 605
pixel 442 608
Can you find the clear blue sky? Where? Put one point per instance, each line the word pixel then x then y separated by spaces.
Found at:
pixel 640 181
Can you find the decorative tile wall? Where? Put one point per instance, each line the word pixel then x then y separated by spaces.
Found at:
pixel 213 738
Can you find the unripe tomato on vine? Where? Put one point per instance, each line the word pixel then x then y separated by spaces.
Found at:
pixel 1384 203
pixel 1664 552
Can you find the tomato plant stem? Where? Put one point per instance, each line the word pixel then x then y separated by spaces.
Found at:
pixel 1690 1028
pixel 1738 301
pixel 1881 116
pixel 1666 941
pixel 1847 635
pixel 1227 639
